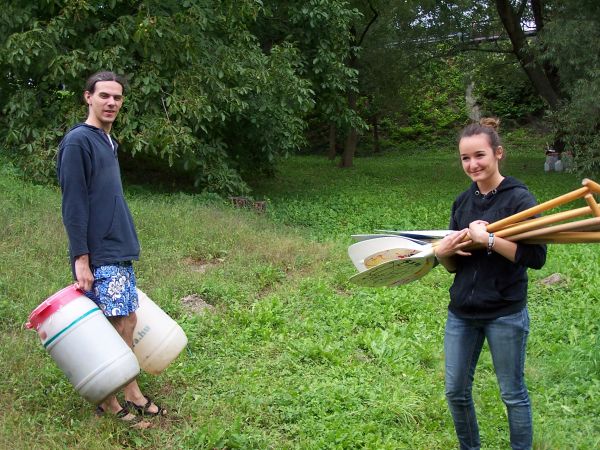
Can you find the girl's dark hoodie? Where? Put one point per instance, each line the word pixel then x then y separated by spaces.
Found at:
pixel 490 286
pixel 96 217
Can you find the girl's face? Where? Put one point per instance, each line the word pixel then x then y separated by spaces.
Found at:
pixel 479 160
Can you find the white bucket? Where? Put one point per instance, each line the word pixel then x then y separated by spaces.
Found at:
pixel 157 339
pixel 558 166
pixel 84 344
pixel 550 163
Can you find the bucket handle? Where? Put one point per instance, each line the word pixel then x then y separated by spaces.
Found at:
pixel 29 325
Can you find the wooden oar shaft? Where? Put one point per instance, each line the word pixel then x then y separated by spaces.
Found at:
pixel 594 207
pixel 576 237
pixel 578 225
pixel 539 225
pixel 592 224
pixel 526 214
pixel 532 224
pixel 539 222
pixel 591 185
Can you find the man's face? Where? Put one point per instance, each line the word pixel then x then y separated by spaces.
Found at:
pixel 104 104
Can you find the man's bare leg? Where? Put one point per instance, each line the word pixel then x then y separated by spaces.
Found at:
pixel 111 404
pixel 125 326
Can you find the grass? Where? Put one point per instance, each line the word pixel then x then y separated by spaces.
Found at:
pixel 291 355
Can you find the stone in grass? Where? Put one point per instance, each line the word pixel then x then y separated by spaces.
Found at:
pixel 555 278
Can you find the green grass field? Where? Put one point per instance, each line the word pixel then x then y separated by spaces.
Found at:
pixel 290 355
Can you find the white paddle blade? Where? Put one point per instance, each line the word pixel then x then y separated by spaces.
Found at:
pixel 364 237
pixel 424 235
pixel 396 272
pixel 388 255
pixel 364 249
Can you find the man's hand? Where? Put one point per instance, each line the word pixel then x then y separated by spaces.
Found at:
pixel 83 273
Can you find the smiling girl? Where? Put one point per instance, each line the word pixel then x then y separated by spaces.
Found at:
pixel 488 298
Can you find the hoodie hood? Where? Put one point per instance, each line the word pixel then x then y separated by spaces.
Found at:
pixel 506 184
pixel 495 205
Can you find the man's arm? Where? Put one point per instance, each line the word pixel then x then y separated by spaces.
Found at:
pixel 83 273
pixel 73 175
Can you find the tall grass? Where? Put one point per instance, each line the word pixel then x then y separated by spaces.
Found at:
pixel 291 355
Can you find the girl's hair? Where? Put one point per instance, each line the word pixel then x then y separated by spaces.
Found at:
pixel 90 84
pixel 486 125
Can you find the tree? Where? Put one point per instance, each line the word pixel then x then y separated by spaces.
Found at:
pixel 322 32
pixel 405 79
pixel 504 27
pixel 569 42
pixel 357 38
pixel 563 65
pixel 543 76
pixel 204 96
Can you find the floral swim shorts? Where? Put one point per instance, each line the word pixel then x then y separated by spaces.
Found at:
pixel 114 289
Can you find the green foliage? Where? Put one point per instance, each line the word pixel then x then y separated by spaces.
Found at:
pixel 320 29
pixel 418 62
pixel 431 101
pixel 422 57
pixel 502 88
pixel 203 93
pixel 568 42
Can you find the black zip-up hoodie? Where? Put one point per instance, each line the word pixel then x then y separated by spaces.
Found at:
pixel 490 286
pixel 96 217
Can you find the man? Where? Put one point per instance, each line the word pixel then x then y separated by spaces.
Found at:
pixel 102 237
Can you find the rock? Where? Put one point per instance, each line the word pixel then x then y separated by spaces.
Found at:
pixel 555 278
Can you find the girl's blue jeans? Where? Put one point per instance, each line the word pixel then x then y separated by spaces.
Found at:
pixel 507 339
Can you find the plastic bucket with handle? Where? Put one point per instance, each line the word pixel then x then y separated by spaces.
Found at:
pixel 84 344
pixel 157 338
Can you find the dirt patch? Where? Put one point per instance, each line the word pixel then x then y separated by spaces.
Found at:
pixel 202 265
pixel 197 304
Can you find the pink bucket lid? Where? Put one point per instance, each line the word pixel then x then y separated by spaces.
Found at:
pixel 51 305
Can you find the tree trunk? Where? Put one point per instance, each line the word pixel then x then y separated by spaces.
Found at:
pixel 332 133
pixel 536 73
pixel 473 110
pixel 537 6
pixel 375 125
pixel 351 138
pixel 349 149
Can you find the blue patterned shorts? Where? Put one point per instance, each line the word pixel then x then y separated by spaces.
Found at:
pixel 114 289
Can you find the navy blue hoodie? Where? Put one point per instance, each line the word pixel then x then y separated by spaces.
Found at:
pixel 490 286
pixel 96 217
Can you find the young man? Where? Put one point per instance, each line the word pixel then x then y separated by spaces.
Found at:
pixel 102 237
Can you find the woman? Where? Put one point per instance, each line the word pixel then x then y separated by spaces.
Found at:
pixel 488 298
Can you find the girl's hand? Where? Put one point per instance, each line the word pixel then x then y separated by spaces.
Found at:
pixel 478 232
pixel 453 244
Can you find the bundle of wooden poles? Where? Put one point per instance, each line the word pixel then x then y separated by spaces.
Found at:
pixel 555 228
pixel 384 260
